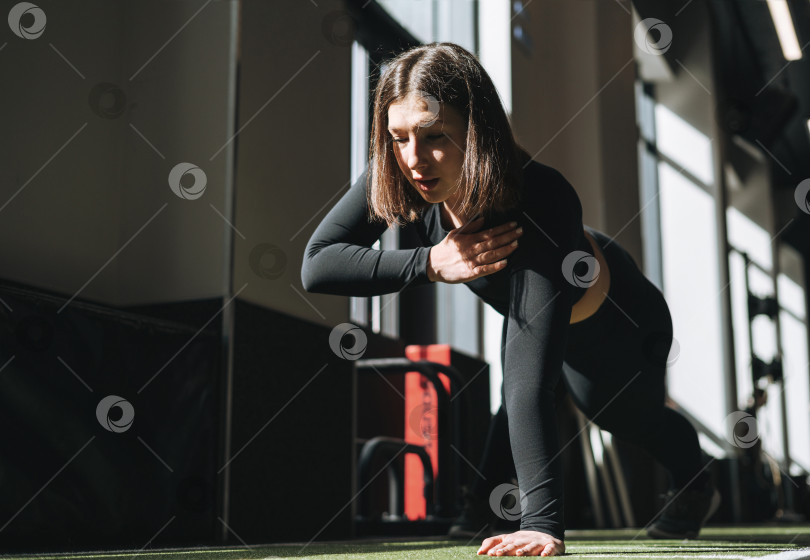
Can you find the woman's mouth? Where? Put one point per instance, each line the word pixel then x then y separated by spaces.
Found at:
pixel 427 185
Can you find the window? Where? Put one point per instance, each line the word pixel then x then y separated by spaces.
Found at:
pixel 782 422
pixel 679 221
pixel 379 313
pixel 680 249
pixel 458 309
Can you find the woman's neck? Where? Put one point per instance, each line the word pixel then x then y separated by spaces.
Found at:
pixel 449 219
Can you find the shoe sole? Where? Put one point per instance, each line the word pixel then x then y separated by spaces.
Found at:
pixel 661 534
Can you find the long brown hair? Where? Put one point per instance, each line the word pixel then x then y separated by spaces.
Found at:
pixel 492 170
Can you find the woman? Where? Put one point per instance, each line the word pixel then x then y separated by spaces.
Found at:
pixel 443 157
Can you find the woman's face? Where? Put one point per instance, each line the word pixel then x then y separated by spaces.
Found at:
pixel 428 141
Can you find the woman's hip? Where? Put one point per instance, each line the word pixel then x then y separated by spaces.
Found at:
pixel 633 325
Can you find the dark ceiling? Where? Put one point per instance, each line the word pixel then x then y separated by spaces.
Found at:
pixel 764 98
pixel 775 92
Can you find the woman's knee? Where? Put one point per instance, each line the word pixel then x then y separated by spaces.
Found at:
pixel 634 411
pixel 639 429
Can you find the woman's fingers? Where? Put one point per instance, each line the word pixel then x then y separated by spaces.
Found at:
pixel 485 269
pixel 506 549
pixel 496 232
pixel 522 543
pixel 497 254
pixel 494 249
pixel 532 549
pixel 489 543
pixel 499 237
pixel 487 234
pixel 548 550
pixel 464 258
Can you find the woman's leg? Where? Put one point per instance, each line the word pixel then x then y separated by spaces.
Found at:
pixel 496 463
pixel 616 365
pixel 615 369
pixel 495 467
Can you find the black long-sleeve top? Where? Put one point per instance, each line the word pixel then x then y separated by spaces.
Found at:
pixel 531 292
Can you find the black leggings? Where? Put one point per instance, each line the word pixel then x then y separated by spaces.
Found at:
pixel 614 369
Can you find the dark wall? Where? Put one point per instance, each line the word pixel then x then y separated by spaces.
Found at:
pixel 68 482
pixel 291 449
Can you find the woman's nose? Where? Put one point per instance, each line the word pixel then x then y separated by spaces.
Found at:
pixel 416 154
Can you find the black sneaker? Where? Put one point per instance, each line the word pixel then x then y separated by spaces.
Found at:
pixel 685 515
pixel 476 517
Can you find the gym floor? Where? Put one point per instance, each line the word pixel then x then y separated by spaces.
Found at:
pixel 778 542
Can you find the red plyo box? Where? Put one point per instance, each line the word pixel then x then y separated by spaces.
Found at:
pixel 421 423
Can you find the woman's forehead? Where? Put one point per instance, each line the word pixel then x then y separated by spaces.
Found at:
pixel 413 112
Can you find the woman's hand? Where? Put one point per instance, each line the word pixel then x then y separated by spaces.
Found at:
pixel 522 543
pixel 462 256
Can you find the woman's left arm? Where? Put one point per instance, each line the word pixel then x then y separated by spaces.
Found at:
pixel 537 331
pixel 536 336
pixel 339 258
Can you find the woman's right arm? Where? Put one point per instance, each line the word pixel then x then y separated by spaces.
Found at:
pixel 339 260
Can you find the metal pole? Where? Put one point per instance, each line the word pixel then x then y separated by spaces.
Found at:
pixel 721 203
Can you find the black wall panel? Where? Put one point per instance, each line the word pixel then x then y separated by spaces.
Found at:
pixel 291 465
pixel 76 474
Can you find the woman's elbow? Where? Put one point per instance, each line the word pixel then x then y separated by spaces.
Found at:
pixel 309 275
pixel 317 274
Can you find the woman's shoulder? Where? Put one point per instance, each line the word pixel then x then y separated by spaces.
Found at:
pixel 542 179
pixel 545 188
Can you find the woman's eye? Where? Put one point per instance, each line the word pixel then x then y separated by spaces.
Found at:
pixel 432 137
